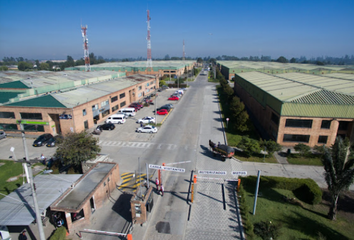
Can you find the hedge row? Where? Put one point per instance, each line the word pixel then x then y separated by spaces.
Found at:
pixel 306 190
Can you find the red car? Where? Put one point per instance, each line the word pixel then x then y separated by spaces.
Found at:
pixel 137 106
pixel 174 98
pixel 162 112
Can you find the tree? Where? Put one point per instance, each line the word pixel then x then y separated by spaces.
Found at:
pixel 267 230
pixel 44 66
pixel 338 163
pixel 77 148
pixel 249 146
pixel 302 148
pixel 23 66
pixel 199 60
pixel 293 60
pixel 271 146
pixel 162 83
pixel 282 59
pixel 167 57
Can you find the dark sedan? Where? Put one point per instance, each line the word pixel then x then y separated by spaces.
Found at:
pixel 42 140
pixel 54 140
pixel 106 126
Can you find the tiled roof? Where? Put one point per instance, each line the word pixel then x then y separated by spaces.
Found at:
pixel 43 101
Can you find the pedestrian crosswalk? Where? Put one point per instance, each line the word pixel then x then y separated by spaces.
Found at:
pixel 131 181
pixel 144 145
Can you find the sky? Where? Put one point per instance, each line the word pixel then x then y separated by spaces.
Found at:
pixel 51 30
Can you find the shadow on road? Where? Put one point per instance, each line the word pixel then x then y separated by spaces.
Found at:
pixel 122 206
pixel 207 152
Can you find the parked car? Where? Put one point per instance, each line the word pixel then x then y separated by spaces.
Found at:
pixel 42 140
pixel 137 106
pixel 2 134
pixel 163 107
pixel 116 118
pixel 168 105
pixel 54 140
pixel 173 98
pixel 106 126
pixel 147 129
pixel 146 120
pixel 162 112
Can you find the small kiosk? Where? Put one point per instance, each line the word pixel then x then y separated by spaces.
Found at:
pixel 141 204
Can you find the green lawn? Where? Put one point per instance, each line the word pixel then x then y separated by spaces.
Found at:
pixel 8 170
pixel 258 158
pixel 305 160
pixel 297 222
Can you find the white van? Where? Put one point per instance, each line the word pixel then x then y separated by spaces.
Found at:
pixel 116 118
pixel 127 111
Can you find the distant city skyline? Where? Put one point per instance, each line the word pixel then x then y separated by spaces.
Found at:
pixel 117 29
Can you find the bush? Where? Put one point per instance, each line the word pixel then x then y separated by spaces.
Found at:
pixel 59 234
pixel 267 230
pixel 306 190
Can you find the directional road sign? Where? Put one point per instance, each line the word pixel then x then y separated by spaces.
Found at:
pixel 173 169
pixel 242 173
pixel 212 172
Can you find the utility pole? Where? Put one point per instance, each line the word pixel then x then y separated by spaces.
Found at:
pixel 86 51
pixel 34 194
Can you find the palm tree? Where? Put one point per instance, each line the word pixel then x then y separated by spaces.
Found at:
pixel 339 175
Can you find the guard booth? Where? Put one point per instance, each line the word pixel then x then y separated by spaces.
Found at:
pixel 141 204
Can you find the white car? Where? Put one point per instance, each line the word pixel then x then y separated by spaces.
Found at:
pixel 147 129
pixel 146 120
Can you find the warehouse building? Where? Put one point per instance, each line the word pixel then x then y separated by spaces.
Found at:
pixel 170 69
pixel 230 68
pixel 294 108
pixel 72 101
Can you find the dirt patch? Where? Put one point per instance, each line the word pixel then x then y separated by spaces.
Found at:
pixel 345 204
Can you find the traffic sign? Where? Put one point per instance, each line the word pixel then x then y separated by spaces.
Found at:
pixel 242 173
pixel 173 169
pixel 155 166
pixel 212 172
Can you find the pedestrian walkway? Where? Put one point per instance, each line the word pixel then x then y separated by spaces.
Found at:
pixel 214 214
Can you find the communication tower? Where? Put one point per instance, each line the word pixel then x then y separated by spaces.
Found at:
pixel 148 61
pixel 86 51
pixel 184 54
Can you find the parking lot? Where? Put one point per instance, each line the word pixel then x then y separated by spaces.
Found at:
pixel 123 132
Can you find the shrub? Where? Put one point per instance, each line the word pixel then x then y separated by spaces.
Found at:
pixel 59 234
pixel 267 230
pixel 306 190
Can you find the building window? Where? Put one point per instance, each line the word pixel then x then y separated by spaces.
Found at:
pixel 84 112
pixel 152 82
pixel 275 119
pixel 296 138
pixel 122 95
pixel 326 124
pixel 114 108
pixel 7 115
pixel 139 88
pixel 113 99
pixel 322 139
pixel 298 123
pixel 95 107
pixel 33 128
pixel 104 103
pixel 86 124
pixel 147 84
pixel 10 127
pixel 343 125
pixel 105 113
pixel 122 104
pixel 77 216
pixel 37 116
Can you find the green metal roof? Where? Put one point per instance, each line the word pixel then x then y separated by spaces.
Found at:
pixel 15 84
pixel 6 96
pixel 43 101
pixel 299 94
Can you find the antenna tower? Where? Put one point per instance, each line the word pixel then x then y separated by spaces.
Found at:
pixel 148 61
pixel 86 51
pixel 184 54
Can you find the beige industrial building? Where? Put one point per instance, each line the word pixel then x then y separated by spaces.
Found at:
pixel 70 101
pixel 294 108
